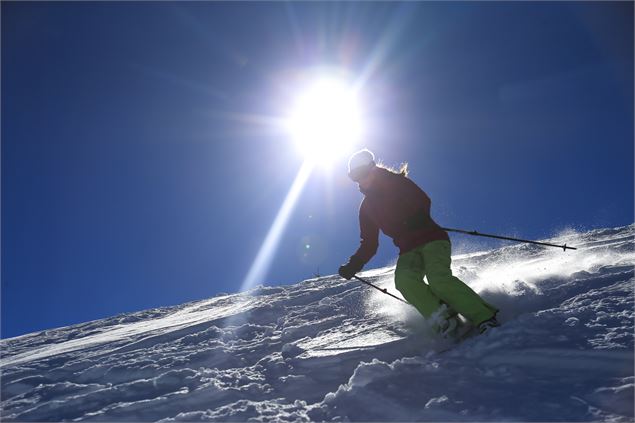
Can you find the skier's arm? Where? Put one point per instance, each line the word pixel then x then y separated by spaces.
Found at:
pixel 369 239
pixel 367 248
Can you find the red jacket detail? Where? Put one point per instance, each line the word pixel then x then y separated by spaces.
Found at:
pixel 401 209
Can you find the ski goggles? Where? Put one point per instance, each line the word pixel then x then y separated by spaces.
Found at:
pixel 360 172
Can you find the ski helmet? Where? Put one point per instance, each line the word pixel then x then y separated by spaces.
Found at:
pixel 360 164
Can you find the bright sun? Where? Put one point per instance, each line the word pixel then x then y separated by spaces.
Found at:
pixel 325 122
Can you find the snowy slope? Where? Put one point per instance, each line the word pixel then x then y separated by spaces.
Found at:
pixel 328 349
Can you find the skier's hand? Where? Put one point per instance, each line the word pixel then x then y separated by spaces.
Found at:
pixel 349 269
pixel 346 271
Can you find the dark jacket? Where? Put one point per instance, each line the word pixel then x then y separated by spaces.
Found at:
pixel 401 209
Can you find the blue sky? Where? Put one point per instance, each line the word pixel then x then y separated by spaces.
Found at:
pixel 138 170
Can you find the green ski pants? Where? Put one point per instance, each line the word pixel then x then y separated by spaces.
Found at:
pixel 432 260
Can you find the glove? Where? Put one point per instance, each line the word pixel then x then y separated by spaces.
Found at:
pixel 349 269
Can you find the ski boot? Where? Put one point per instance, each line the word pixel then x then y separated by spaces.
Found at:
pixel 449 327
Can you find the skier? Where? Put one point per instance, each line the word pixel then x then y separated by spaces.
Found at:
pixel 396 205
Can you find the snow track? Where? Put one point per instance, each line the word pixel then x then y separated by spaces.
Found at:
pixel 328 349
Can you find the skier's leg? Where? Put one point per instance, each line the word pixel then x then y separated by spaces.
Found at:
pixel 409 281
pixel 450 289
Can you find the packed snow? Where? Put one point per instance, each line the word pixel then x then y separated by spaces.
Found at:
pixel 327 349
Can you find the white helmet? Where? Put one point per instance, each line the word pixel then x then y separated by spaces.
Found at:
pixel 360 164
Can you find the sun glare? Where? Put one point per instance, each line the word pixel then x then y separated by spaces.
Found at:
pixel 260 265
pixel 325 122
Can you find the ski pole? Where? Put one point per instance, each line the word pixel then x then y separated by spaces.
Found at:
pixel 475 233
pixel 384 290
